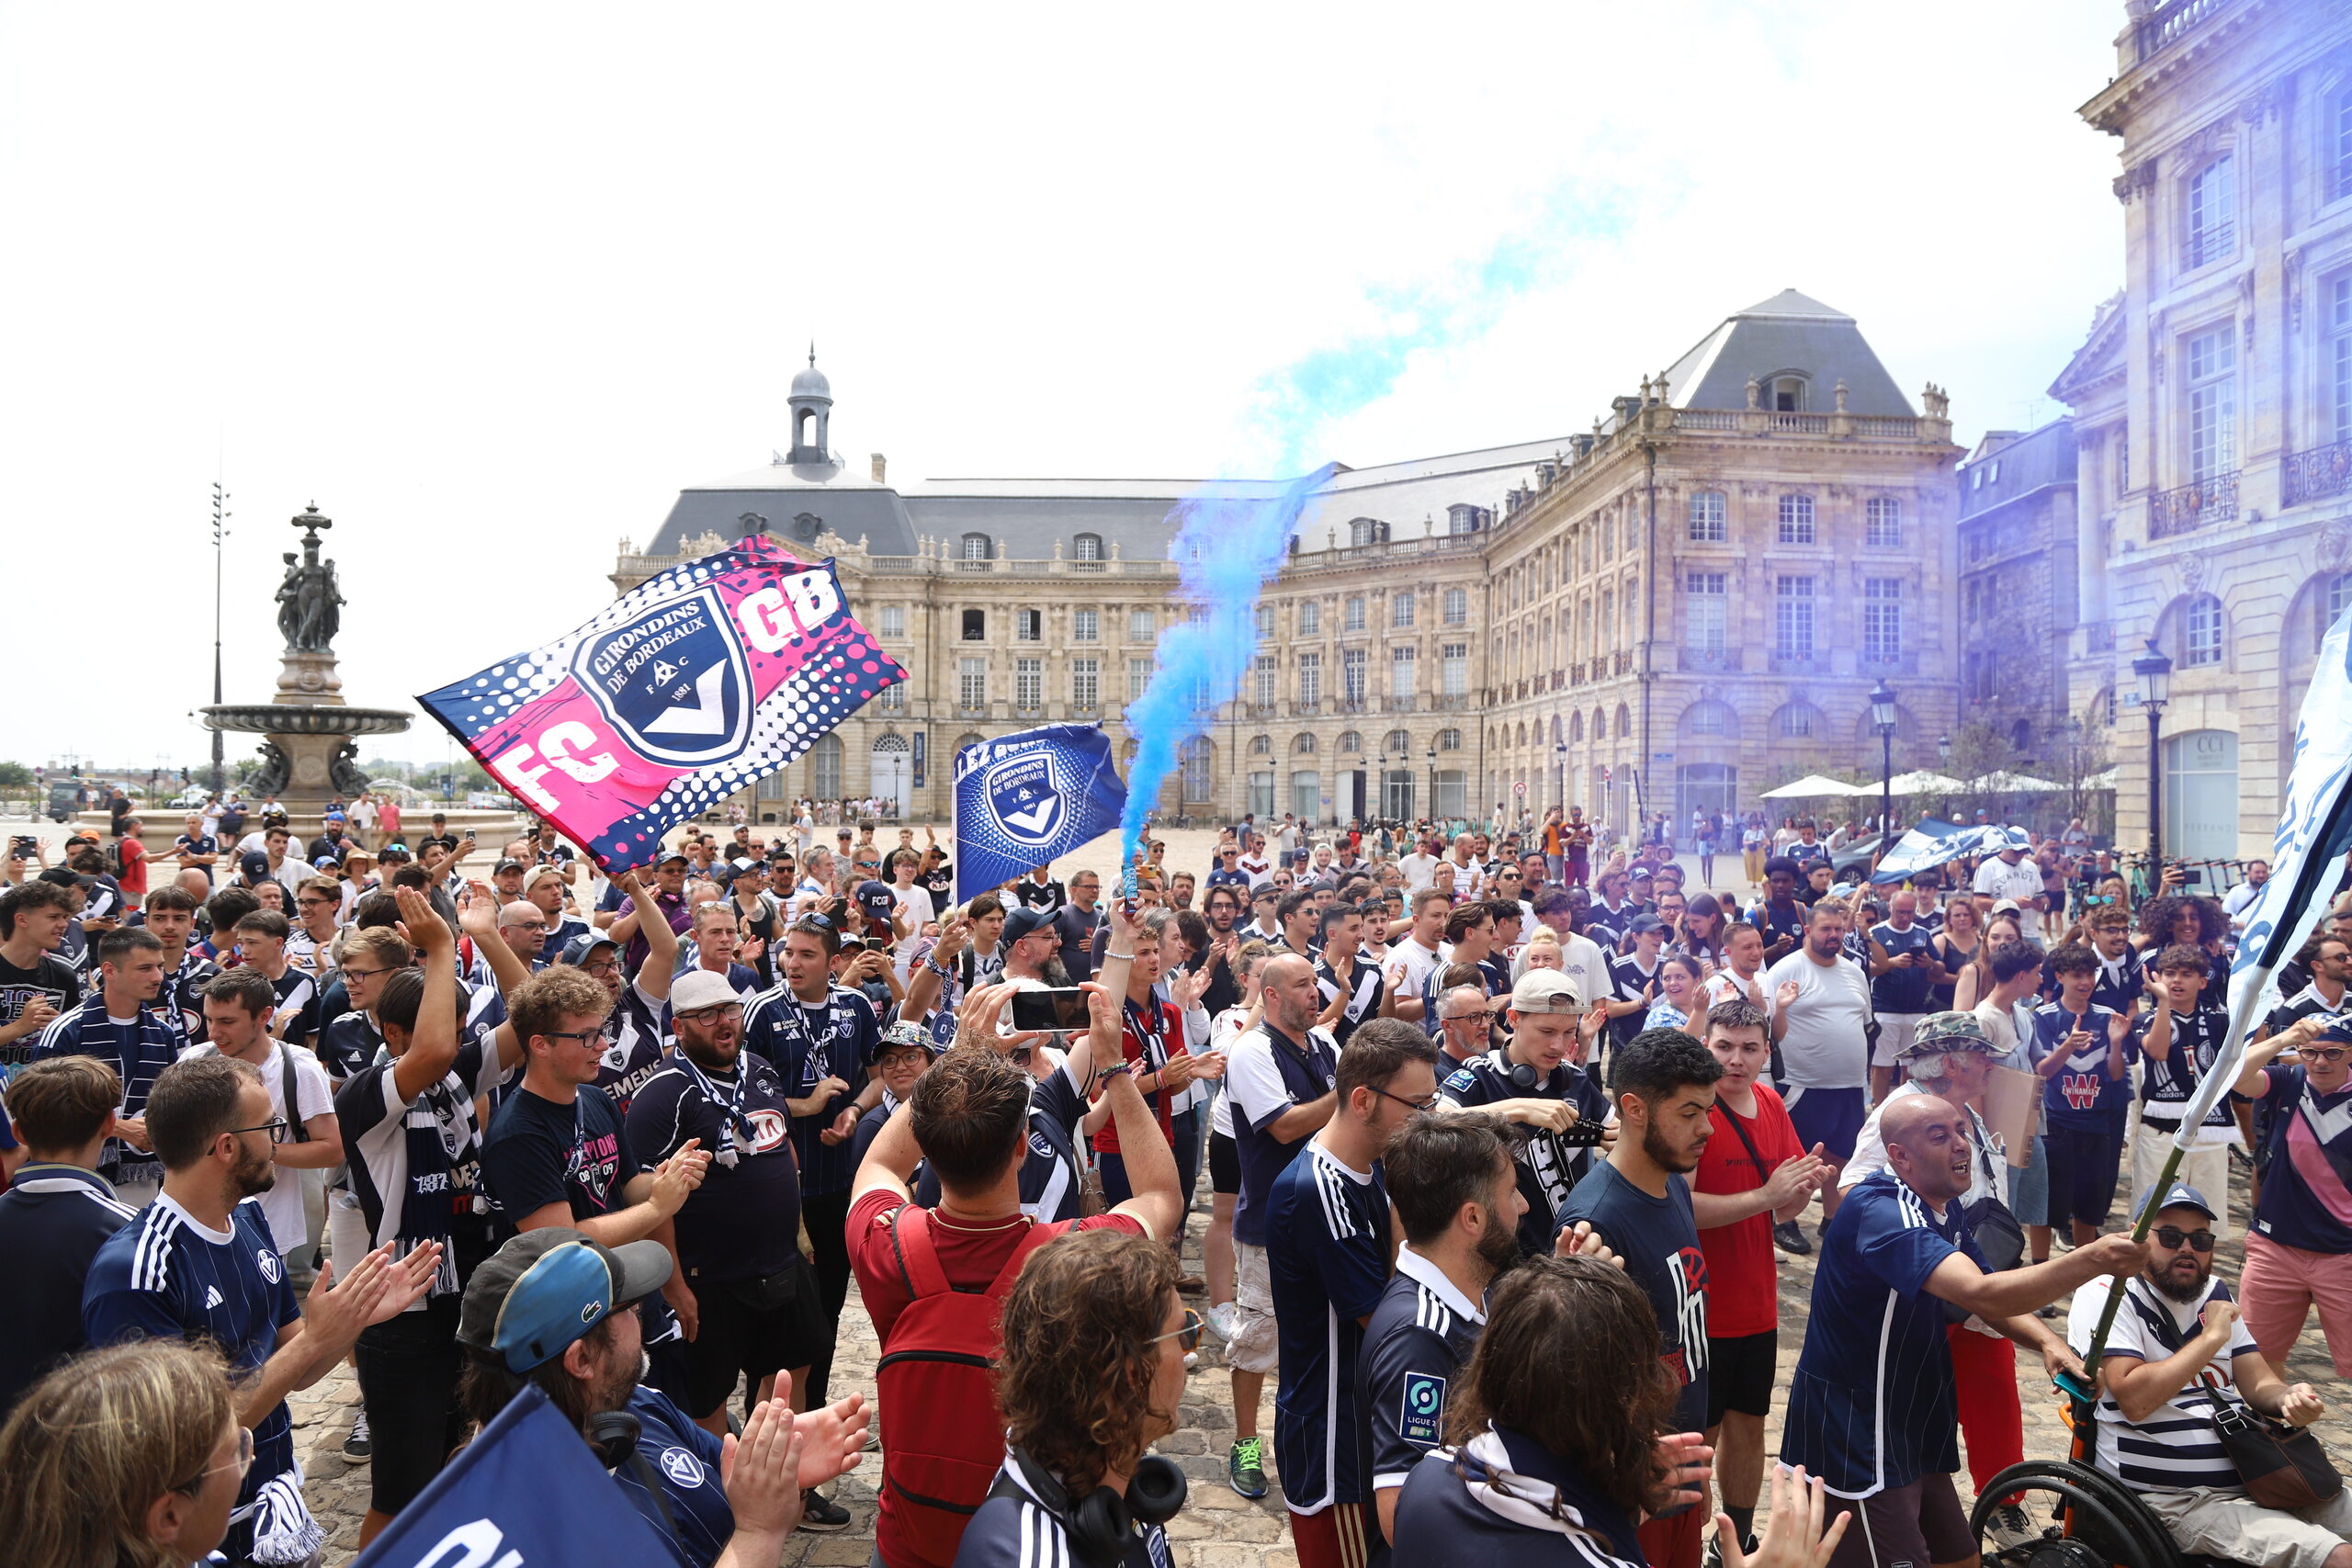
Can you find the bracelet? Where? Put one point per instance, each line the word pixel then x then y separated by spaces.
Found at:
pixel 935 969
pixel 1118 957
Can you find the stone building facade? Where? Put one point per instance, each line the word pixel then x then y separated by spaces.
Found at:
pixel 2212 405
pixel 1714 578
pixel 2018 592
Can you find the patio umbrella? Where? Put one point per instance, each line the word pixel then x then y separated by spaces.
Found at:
pixel 1813 786
pixel 1921 782
pixel 2001 781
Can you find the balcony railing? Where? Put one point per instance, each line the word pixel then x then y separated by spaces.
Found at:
pixel 1399 704
pixel 2193 506
pixel 1625 662
pixel 1800 664
pixel 2170 24
pixel 2322 471
pixel 1450 702
pixel 1308 709
pixel 1711 660
pixel 1881 663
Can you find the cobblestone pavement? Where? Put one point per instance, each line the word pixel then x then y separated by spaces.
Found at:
pixel 1218 1529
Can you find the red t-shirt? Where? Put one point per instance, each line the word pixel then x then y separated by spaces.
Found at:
pixel 1168 1041
pixel 971 1258
pixel 1743 1279
pixel 133 880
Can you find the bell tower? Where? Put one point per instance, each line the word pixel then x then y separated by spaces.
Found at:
pixel 813 407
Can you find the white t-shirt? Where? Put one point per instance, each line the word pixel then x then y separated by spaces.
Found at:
pixel 912 904
pixel 1417 870
pixel 282 1205
pixel 1823 1046
pixel 1583 962
pixel 1406 967
pixel 1261 872
pixel 1997 879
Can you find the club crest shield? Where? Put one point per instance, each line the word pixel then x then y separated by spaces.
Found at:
pixel 672 680
pixel 1024 798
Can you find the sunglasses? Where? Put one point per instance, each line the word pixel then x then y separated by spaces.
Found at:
pixel 2172 1236
pixel 1187 1338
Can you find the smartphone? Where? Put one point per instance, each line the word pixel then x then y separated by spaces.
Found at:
pixel 1060 1007
pixel 21 845
pixel 469 835
pixel 1583 1134
pixel 2192 877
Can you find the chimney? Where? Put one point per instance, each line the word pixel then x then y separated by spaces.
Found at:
pixel 880 465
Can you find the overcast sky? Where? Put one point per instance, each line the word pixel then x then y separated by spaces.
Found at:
pixel 491 282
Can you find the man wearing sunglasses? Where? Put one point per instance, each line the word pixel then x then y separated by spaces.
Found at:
pixel 2177 1357
pixel 2299 1252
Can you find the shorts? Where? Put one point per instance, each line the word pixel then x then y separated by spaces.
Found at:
pixel 1830 1117
pixel 2226 1523
pixel 1739 1375
pixel 2084 1168
pixel 1253 1347
pixel 1921 1523
pixel 2029 1188
pixel 1677 1541
pixel 736 1339
pixel 1225 1164
pixel 1338 1536
pixel 1895 1030
pixel 409 1366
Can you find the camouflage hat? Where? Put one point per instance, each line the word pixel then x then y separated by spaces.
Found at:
pixel 1940 1033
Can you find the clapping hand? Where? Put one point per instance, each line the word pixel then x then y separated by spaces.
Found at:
pixel 1790 990
pixel 1793 1537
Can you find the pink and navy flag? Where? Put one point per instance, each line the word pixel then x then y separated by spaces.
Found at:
pixel 688 687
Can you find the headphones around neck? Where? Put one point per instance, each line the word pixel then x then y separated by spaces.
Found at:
pixel 1523 1077
pixel 1099 1524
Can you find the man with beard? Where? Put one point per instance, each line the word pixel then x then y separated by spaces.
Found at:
pixel 198 1263
pixel 237 1007
pixel 739 1234
pixel 1221 906
pixel 1534 1081
pixel 1638 1200
pixel 1872 1405
pixel 2176 1358
pixel 637 1017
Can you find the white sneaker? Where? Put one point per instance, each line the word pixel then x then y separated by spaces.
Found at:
pixel 2011 1527
pixel 1225 1320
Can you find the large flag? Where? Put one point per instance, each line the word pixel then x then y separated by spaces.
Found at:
pixel 686 688
pixel 1931 842
pixel 527 1491
pixel 1022 800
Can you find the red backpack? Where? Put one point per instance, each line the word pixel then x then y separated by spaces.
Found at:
pixel 938 1464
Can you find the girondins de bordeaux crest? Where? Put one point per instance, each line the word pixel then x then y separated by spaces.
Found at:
pixel 673 682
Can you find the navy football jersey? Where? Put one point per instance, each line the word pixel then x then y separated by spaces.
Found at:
pixel 1548 1169
pixel 1419 1340
pixel 1327 1253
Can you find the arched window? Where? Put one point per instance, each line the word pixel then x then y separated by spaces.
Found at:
pixel 1262 746
pixel 2201 631
pixel 1601 724
pixel 1576 727
pixel 1707 514
pixel 1086 548
pixel 1350 741
pixel 825 768
pixel 1796 721
pixel 2022 734
pixel 977 547
pixel 1624 721
pixel 1303 743
pixel 2212 213
pixel 1399 743
pixel 1449 741
pixel 1522 733
pixel 1710 716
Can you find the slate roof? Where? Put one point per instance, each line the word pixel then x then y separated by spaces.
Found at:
pixel 1789 331
pixel 2028 463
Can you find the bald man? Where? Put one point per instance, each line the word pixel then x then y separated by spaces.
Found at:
pixel 522 927
pixel 1871 1408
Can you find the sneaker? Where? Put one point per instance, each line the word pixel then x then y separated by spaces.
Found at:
pixel 1225 1320
pixel 1192 1360
pixel 1789 1239
pixel 819 1512
pixel 1245 1468
pixel 2010 1528
pixel 359 1448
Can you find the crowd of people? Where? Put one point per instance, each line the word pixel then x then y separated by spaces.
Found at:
pixel 1504 1133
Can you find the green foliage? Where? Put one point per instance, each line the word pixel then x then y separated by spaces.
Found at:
pixel 14 776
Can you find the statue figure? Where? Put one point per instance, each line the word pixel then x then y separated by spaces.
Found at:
pixel 344 771
pixel 289 610
pixel 276 770
pixel 309 599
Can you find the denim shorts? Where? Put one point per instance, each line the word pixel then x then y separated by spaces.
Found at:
pixel 2029 1188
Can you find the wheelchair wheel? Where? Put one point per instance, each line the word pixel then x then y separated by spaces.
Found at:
pixel 2088 1520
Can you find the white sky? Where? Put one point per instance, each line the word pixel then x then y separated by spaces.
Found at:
pixel 491 282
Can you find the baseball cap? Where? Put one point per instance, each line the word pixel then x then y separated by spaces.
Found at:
pixel 900 1035
pixel 541 875
pixel 254 863
pixel 1545 990
pixel 2181 1195
pixel 876 899
pixel 503 866
pixel 582 946
pixel 1642 924
pixel 1023 921
pixel 746 868
pixel 325 863
pixel 2006 907
pixel 546 1288
pixel 699 988
pixel 1940 1033
pixel 666 857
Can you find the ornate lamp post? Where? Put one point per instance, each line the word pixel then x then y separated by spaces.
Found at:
pixel 1883 720
pixel 1381 799
pixel 1432 800
pixel 2153 671
pixel 1560 756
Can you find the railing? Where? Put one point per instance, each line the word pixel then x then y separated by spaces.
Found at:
pixel 1088 565
pixel 1349 705
pixel 1086 710
pixel 1802 423
pixel 2322 471
pixel 1711 660
pixel 1398 704
pixel 1706 418
pixel 1450 702
pixel 1885 427
pixel 1799 664
pixel 971 710
pixel 962 565
pixel 1576 674
pixel 1263 710
pixel 2098 637
pixel 1308 709
pixel 1028 710
pixel 1624 665
pixel 2192 506
pixel 2170 25
pixel 1889 663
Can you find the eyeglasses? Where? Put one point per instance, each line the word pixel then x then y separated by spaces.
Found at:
pixel 598 968
pixel 583 1035
pixel 2330 1054
pixel 272 1128
pixel 1428 1104
pixel 2172 1236
pixel 240 1464
pixel 1187 1338
pixel 351 973
pixel 702 1015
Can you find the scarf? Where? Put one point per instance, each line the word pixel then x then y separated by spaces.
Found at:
pixel 444 1171
pixel 1488 1470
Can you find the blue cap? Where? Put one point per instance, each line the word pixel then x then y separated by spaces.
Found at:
pixel 2337 1030
pixel 546 1288
pixel 2181 1195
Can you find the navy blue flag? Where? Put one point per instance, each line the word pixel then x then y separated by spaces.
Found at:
pixel 1022 800
pixel 1931 842
pixel 527 1491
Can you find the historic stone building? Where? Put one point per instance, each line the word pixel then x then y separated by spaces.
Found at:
pixel 1713 577
pixel 2212 405
pixel 2019 588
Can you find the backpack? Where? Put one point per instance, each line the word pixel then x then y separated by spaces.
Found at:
pixel 938 1360
pixel 114 859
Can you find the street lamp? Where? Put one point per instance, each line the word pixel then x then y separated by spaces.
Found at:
pixel 2153 671
pixel 1883 720
pixel 1560 754
pixel 1432 800
pixel 219 532
pixel 1383 786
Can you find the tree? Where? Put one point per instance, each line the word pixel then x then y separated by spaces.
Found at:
pixel 14 776
pixel 1978 748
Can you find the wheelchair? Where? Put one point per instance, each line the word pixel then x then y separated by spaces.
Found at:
pixel 2096 1520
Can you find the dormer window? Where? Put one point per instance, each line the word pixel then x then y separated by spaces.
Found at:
pixel 1086 548
pixel 977 547
pixel 1787 394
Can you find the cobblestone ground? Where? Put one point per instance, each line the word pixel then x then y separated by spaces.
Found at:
pixel 1219 1529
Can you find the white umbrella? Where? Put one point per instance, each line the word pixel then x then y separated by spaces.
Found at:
pixel 1921 782
pixel 1813 786
pixel 2105 780
pixel 2001 781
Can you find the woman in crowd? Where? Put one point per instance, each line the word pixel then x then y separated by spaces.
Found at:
pixel 1680 993
pixel 1954 949
pixel 1090 1368
pixel 1541 952
pixel 129 1457
pixel 1975 980
pixel 1702 929
pixel 2186 920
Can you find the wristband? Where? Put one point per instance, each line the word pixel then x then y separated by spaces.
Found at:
pixel 1118 957
pixel 935 969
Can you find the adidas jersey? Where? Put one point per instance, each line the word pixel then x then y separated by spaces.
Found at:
pixel 1419 1340
pixel 139 1051
pixel 1326 1256
pixel 53 1218
pixel 1548 1169
pixel 809 1044
pixel 1014 1529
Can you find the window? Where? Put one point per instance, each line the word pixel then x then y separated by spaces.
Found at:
pixel 825 768
pixel 1306 795
pixel 1198 772
pixel 1310 618
pixel 1709 716
pixel 1708 616
pixel 1454 669
pixel 1397 743
pixel 2212 213
pixel 1601 724
pixel 1707 517
pixel 1354 613
pixel 977 547
pixel 2200 641
pixel 1262 795
pixel 975 625
pixel 1881 618
pixel 1402 661
pixel 1882 525
pixel 1796 721
pixel 1796 519
pixel 1085 684
pixel 1793 620
pixel 1350 741
pixel 894 698
pixel 2213 402
pixel 2334 594
pixel 1262 746
pixel 971 683
pixel 2339 351
pixel 1302 744
pixel 1086 548
pixel 1311 677
pixel 1458 606
pixel 1265 622
pixel 1142 625
pixel 1028 625
pixel 1400 608
pixel 1352 675
pixel 772 786
pixel 1138 678
pixel 2338 152
pixel 1085 625
pixel 892 621
pixel 1449 741
pixel 1608 537
pixel 1261 680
